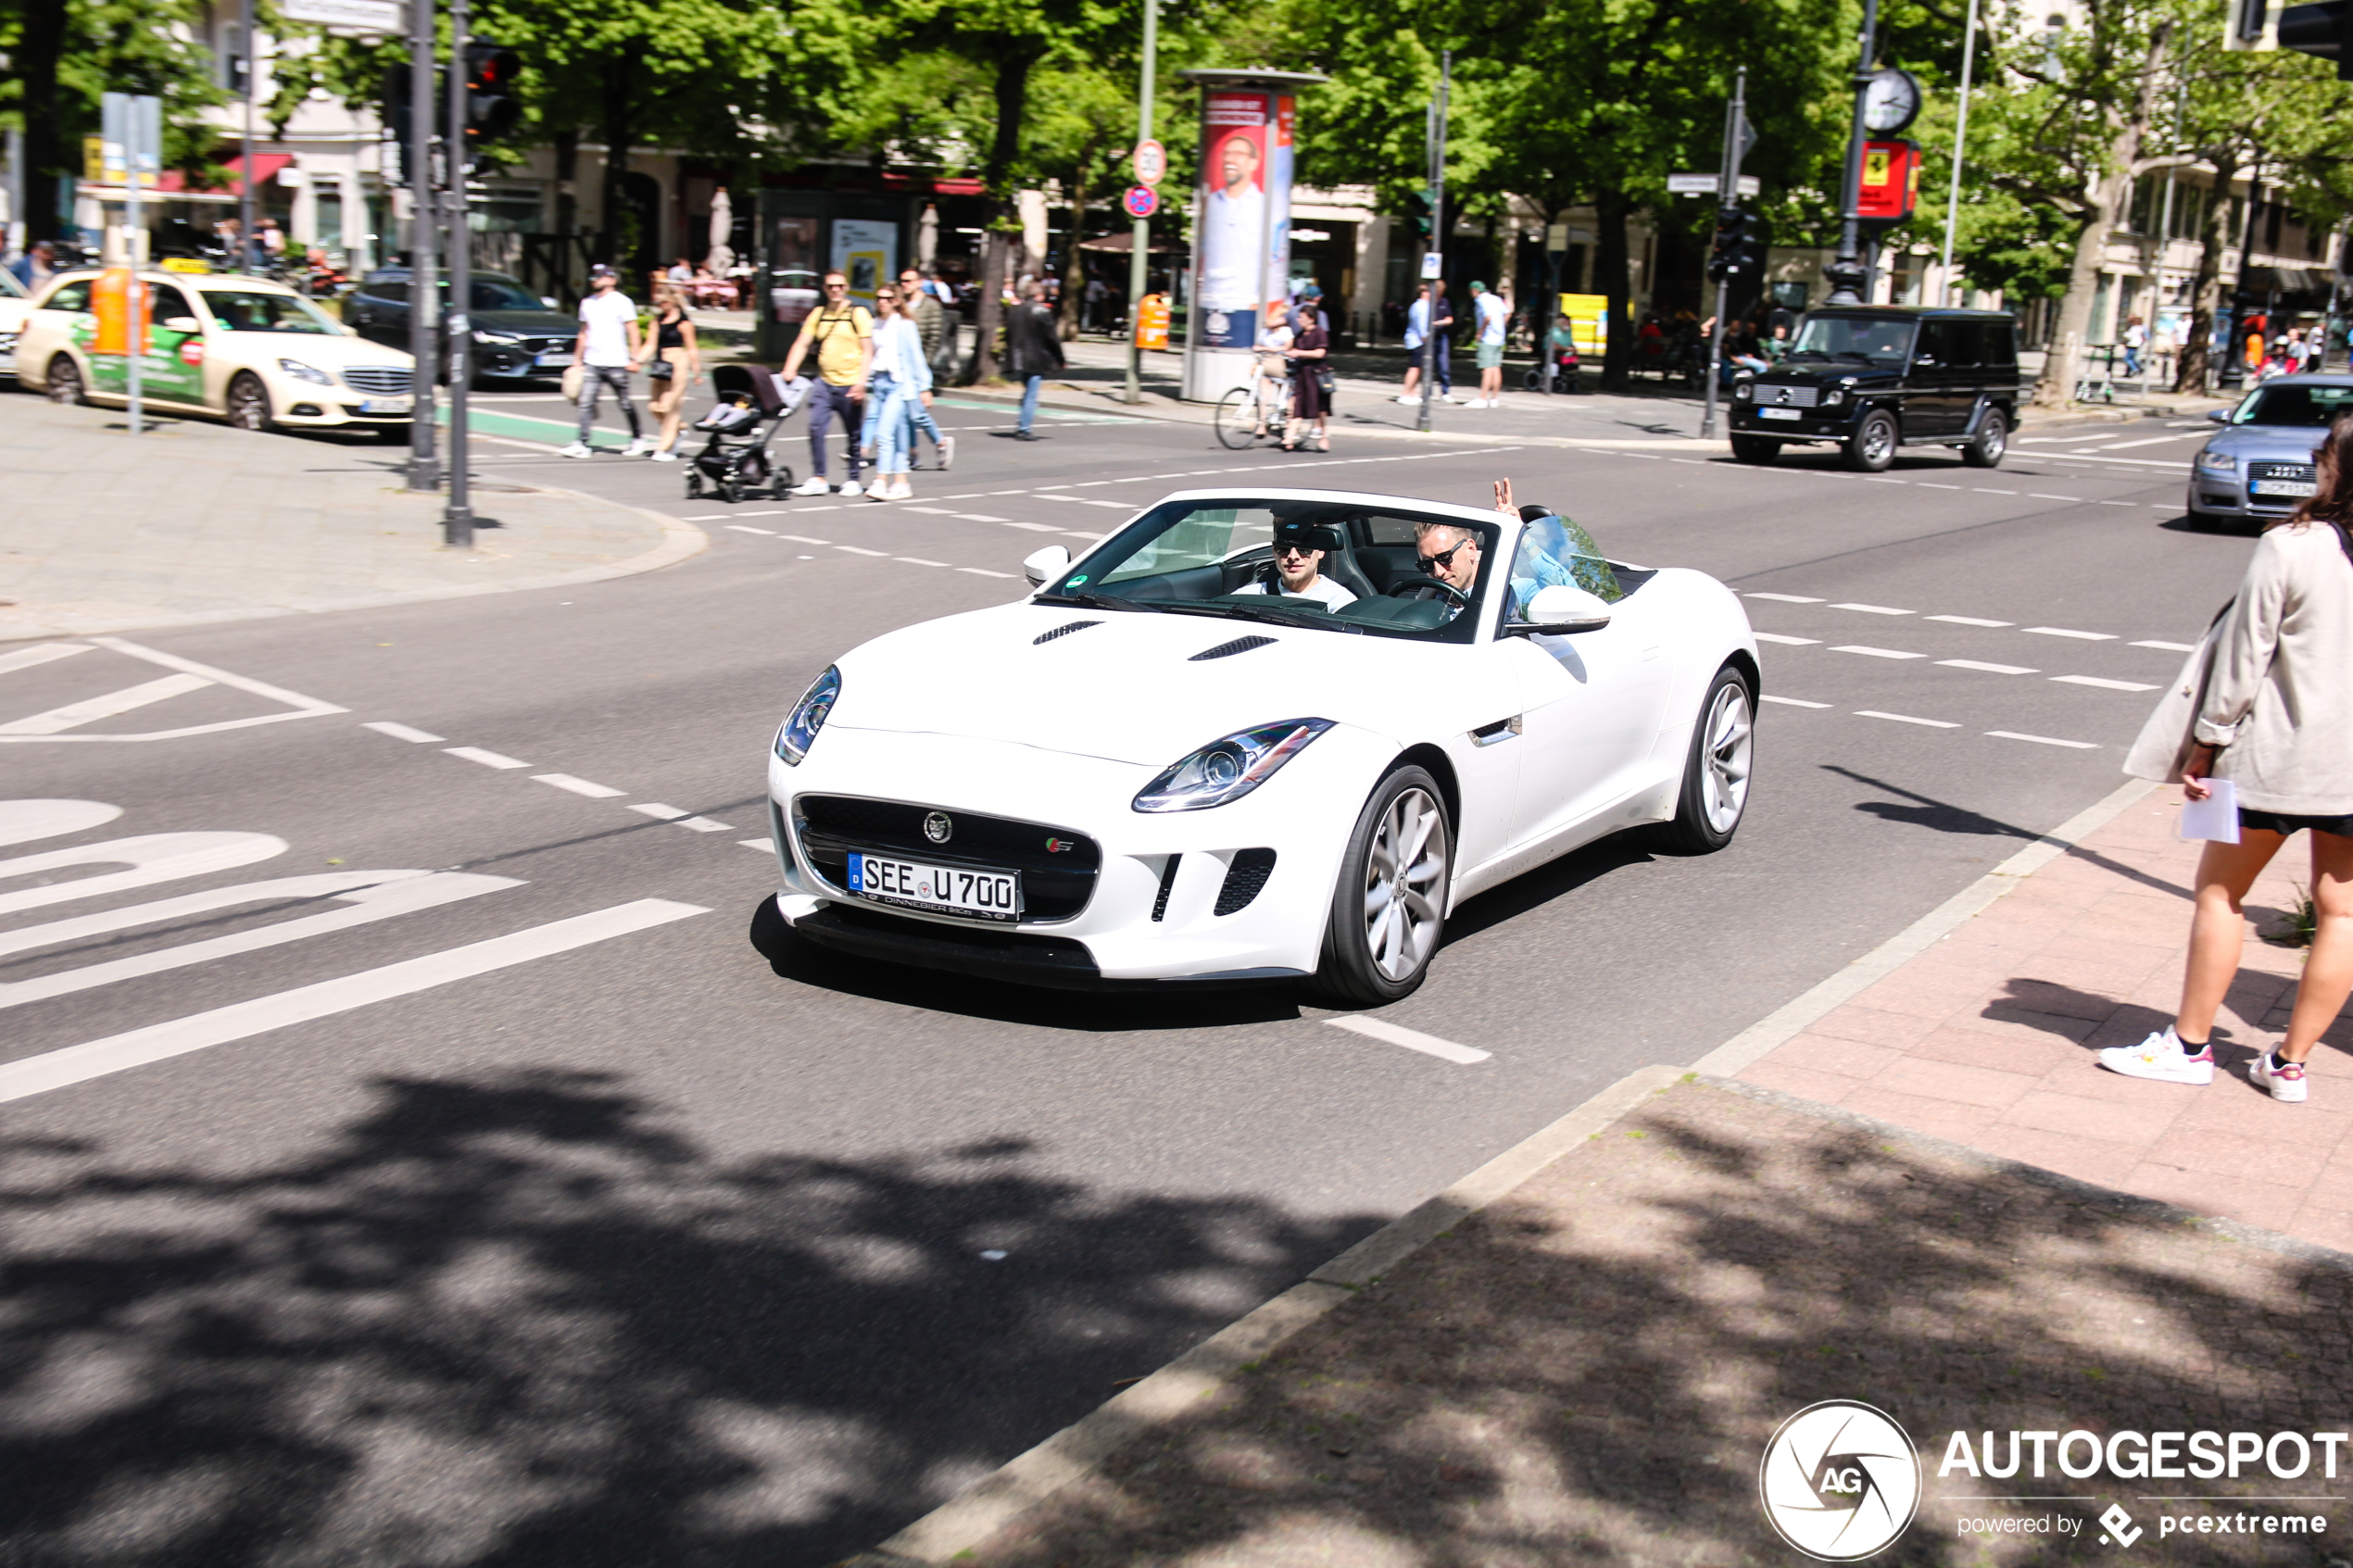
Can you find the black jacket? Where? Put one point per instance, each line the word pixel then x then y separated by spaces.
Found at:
pixel 1031 347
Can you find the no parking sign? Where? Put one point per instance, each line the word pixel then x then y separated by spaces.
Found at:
pixel 1141 201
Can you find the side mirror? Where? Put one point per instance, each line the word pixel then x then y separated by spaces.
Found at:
pixel 2218 416
pixel 180 324
pixel 1560 609
pixel 1052 561
pixel 549 301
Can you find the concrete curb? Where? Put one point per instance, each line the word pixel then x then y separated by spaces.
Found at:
pixel 1031 1479
pixel 679 541
pixel 1785 1022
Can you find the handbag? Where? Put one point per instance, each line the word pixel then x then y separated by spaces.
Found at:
pixel 660 369
pixel 1326 383
pixel 572 377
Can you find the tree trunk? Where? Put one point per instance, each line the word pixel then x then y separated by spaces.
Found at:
pixel 1011 92
pixel 567 155
pixel 2206 290
pixel 1074 267
pixel 1611 275
pixel 617 133
pixel 996 251
pixel 40 48
pixel 2107 199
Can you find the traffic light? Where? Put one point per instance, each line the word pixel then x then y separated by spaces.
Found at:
pixel 393 111
pixel 1738 251
pixel 1421 210
pixel 2325 29
pixel 492 109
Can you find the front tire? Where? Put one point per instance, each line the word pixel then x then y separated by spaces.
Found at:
pixel 1872 447
pixel 1992 439
pixel 1237 421
pixel 1716 772
pixel 63 383
pixel 1758 449
pixel 249 403
pixel 1389 909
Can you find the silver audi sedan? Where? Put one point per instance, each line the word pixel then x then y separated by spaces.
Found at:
pixel 2258 466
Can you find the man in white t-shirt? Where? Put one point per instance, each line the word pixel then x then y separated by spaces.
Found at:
pixel 607 351
pixel 1299 559
pixel 1494 318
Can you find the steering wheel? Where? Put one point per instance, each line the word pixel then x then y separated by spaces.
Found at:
pixel 1407 587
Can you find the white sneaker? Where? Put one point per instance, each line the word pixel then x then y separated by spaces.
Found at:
pixel 815 485
pixel 577 449
pixel 2161 1057
pixel 639 446
pixel 854 488
pixel 2285 1081
pixel 902 491
pixel 663 456
pixel 947 451
pixel 1411 398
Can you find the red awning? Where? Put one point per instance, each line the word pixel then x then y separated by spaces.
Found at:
pixel 265 166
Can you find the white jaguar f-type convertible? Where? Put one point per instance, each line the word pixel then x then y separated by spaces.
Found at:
pixel 1257 735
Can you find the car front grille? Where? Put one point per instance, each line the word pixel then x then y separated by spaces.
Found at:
pixel 380 381
pixel 1769 396
pixel 2302 471
pixel 1244 878
pixel 1058 868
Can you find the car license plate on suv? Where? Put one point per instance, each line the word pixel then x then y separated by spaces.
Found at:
pixel 2284 486
pixel 955 890
pixel 1781 414
pixel 552 361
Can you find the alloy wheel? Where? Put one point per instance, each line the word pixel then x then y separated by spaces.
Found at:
pixel 1405 884
pixel 1731 736
pixel 1878 443
pixel 248 404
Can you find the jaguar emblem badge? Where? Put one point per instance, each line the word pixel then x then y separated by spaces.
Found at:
pixel 937 828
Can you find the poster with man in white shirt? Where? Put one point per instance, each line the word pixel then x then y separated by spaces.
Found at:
pixel 1245 210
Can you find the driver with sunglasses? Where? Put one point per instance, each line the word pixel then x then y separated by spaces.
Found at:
pixel 1450 554
pixel 1298 567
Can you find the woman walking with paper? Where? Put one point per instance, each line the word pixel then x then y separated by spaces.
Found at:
pixel 2259 732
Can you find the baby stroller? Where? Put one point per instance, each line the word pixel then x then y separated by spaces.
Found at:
pixel 735 463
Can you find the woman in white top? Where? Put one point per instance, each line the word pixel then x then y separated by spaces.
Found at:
pixel 897 379
pixel 2275 719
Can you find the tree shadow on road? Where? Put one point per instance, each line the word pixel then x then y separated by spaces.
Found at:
pixel 520 1321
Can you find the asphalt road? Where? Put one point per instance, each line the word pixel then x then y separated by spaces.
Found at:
pixel 547 1224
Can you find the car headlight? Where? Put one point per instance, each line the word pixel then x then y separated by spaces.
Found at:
pixel 1227 770
pixel 497 337
pixel 808 716
pixel 2217 462
pixel 1834 397
pixel 1743 391
pixel 301 372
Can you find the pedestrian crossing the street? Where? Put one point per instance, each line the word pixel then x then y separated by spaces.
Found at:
pixel 54 692
pixel 71 879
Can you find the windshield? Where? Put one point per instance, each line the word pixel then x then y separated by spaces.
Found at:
pixel 1218 559
pixel 493 293
pixel 1881 340
pixel 10 286
pixel 2289 403
pixel 251 310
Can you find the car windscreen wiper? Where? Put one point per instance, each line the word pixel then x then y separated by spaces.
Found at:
pixel 1267 613
pixel 1095 601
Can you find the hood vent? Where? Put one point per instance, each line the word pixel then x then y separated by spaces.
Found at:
pixel 1226 651
pixel 1064 629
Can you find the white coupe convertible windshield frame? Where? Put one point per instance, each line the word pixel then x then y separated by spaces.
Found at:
pixel 1213 556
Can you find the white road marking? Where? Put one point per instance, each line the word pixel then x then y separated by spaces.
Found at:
pixel 320 885
pixel 1877 653
pixel 708 517
pixel 978 516
pixel 1784 599
pixel 90 710
pixel 1091 501
pixel 2063 632
pixel 2043 740
pixel 487 758
pixel 2105 684
pixel 983 571
pixel 933 511
pixel 1989 669
pixel 1777 637
pixel 2046 495
pixel 803 539
pixel 911 560
pixel 656 809
pixel 1035 527
pixel 2089 458
pixel 1969 621
pixel 1790 701
pixel 1874 609
pixel 39 653
pixel 301 707
pixel 739 528
pixel 1411 1039
pixel 2135 505
pixel 405 893
pixel 152 857
pixel 1904 719
pixel 1075 534
pixel 704 824
pixel 1987 490
pixel 765 845
pixel 158 1042
pixel 2168 647
pixel 402 732
pixel 24 821
pixel 858 550
pixel 577 787
pixel 1931 484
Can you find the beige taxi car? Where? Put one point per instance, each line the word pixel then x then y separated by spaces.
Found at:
pixel 15 304
pixel 254 352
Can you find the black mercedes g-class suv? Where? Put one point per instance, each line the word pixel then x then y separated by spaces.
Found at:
pixel 1870 378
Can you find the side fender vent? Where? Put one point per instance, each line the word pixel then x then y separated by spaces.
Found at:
pixel 1244 878
pixel 1064 629
pixel 1226 651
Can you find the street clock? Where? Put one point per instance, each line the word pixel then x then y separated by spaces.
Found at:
pixel 1890 101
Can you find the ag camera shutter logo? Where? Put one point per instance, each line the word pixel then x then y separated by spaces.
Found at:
pixel 1839 1481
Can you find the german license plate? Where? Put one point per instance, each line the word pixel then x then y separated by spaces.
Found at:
pixel 384 406
pixel 1780 414
pixel 552 361
pixel 955 890
pixel 2284 486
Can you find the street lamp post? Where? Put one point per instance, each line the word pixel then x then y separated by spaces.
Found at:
pixel 423 314
pixel 458 514
pixel 1140 275
pixel 1848 273
pixel 245 180
pixel 1437 231
pixel 1960 145
pixel 1728 194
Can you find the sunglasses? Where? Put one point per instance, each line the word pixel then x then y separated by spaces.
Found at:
pixel 1296 550
pixel 1445 559
pixel 830 286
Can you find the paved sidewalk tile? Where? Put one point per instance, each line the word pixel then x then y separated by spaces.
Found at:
pixel 1988 1038
pixel 1588 1371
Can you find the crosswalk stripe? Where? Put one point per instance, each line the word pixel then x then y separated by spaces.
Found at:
pixel 39 653
pixel 159 1042
pixel 90 710
pixel 152 857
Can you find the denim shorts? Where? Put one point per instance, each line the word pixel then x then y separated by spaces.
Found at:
pixel 2281 822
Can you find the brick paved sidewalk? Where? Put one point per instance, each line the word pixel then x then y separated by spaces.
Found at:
pixel 1987 1039
pixel 192 522
pixel 1588 1371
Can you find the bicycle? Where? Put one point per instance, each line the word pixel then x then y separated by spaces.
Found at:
pixel 1249 413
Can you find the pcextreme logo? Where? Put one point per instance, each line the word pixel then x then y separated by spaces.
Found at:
pixel 1840 1480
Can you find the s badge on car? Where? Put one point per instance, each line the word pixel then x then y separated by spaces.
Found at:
pixel 937 828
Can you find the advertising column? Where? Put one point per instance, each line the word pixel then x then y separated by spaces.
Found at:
pixel 1241 233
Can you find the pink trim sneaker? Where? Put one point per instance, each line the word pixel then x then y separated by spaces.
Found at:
pixel 2161 1057
pixel 2287 1080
